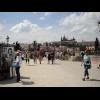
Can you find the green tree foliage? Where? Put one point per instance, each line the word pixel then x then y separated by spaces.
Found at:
pixel 82 47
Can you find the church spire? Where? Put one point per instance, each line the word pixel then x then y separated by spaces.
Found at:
pixel 64 38
pixel 61 38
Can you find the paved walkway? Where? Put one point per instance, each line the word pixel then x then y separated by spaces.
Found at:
pixel 61 74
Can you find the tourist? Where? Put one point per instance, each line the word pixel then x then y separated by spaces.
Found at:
pixel 40 55
pixel 52 56
pixel 27 57
pixel 35 57
pixel 18 60
pixel 49 57
pixel 87 65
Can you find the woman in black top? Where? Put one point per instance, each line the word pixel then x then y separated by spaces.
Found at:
pixel 52 56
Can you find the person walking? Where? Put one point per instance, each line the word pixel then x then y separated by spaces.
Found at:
pixel 49 57
pixel 87 65
pixel 27 57
pixel 40 55
pixel 18 60
pixel 52 56
pixel 35 57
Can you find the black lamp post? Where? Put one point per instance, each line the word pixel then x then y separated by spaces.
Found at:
pixel 7 39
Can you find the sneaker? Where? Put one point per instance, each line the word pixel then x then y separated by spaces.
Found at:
pixel 83 79
pixel 87 78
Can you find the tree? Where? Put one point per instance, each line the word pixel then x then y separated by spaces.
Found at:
pixel 46 44
pixel 38 47
pixel 34 43
pixel 82 47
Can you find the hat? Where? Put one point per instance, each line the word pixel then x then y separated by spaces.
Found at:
pixel 19 51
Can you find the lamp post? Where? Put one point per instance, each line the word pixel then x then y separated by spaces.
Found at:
pixel 73 47
pixel 7 39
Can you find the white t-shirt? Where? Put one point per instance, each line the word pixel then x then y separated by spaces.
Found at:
pixel 18 59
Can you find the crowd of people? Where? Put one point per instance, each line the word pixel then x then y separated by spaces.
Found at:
pixel 50 55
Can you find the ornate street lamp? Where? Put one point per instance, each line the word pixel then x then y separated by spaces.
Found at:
pixel 7 39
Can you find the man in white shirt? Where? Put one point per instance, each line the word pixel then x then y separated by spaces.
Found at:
pixel 18 60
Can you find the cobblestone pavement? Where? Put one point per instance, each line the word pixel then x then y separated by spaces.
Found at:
pixel 60 74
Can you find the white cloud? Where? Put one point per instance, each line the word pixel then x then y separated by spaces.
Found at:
pixel 35 12
pixel 47 14
pixel 77 28
pixel 0 37
pixel 42 18
pixel 31 32
pixel 84 18
pixel 25 26
pixel 49 27
pixel 81 25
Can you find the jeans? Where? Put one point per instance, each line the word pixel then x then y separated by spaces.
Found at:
pixel 86 70
pixel 18 74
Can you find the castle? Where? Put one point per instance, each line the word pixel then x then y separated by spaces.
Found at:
pixel 66 41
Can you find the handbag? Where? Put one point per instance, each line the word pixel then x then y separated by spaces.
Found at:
pixel 88 65
pixel 15 64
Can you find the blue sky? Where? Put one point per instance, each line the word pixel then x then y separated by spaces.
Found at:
pixel 26 27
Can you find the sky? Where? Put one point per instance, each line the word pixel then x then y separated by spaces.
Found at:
pixel 26 27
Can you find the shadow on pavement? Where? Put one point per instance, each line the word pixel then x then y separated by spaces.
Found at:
pixel 8 81
pixel 57 64
pixel 27 83
pixel 22 77
pixel 94 80
pixel 13 80
pixel 31 65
